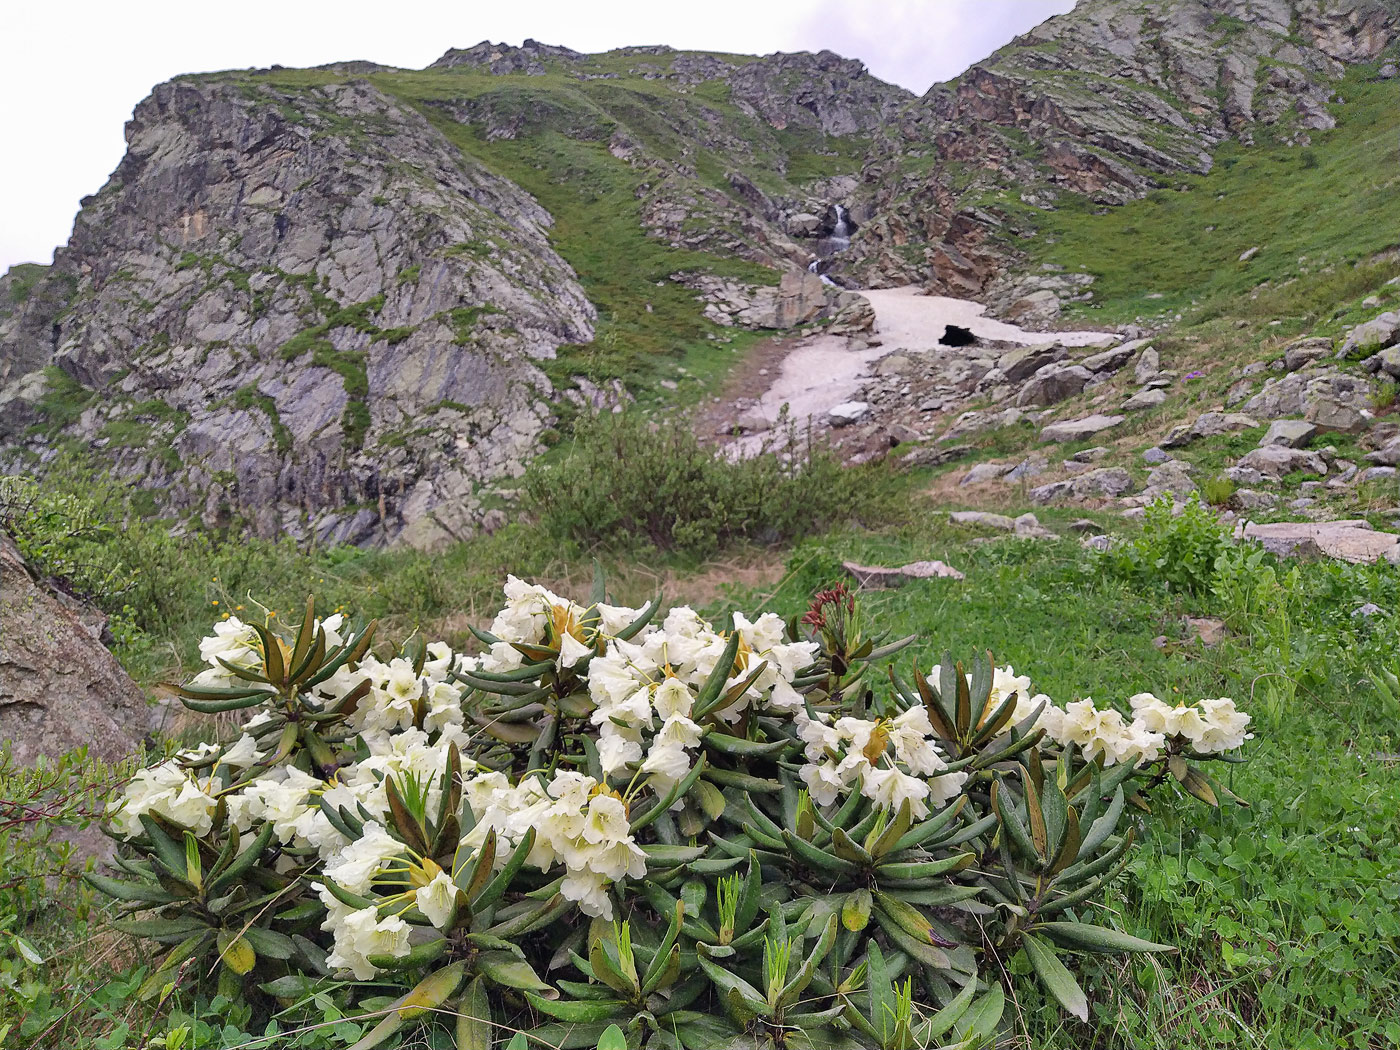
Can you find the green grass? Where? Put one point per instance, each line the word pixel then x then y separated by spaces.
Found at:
pixel 1285 913
pixel 1334 205
pixel 23 277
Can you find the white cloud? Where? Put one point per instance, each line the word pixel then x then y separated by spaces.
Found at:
pixel 71 72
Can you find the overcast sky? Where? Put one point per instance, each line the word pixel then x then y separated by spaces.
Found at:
pixel 71 70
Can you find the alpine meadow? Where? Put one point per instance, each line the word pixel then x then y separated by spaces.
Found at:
pixel 668 549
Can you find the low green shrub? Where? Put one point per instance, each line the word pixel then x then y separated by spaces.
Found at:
pixel 1176 551
pixel 626 477
pixel 707 837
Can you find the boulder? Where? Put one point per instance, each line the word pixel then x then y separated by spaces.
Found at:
pixel 1376 334
pixel 1106 481
pixel 848 412
pixel 1145 399
pixel 1208 424
pixel 804 225
pixel 59 686
pixel 1024 361
pixel 1330 413
pixel 875 577
pixel 1294 433
pixel 1352 540
pixel 981 520
pixel 1113 359
pixel 1148 365
pixel 1387 361
pixel 1027 468
pixel 1252 499
pixel 1155 455
pixel 1066 430
pixel 1304 352
pixel 1091 455
pixel 1296 393
pixel 1388 455
pixel 1277 460
pixel 1170 478
pixel 1052 384
pixel 1028 526
pixel 984 472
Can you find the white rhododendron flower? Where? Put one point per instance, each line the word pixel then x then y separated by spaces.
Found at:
pixel 360 934
pixel 165 790
pixel 438 899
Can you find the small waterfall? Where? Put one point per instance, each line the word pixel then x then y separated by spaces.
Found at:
pixel 829 244
pixel 841 232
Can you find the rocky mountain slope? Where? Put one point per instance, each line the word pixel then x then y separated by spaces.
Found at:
pixel 1088 110
pixel 344 303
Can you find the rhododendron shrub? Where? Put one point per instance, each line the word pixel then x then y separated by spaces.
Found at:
pixel 760 832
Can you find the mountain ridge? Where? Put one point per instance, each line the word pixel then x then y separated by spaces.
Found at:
pixel 343 304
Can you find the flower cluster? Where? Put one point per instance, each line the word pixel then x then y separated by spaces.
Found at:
pixel 385 784
pixel 1210 727
pixel 889 760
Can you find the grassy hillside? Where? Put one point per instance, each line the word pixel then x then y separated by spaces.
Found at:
pixel 1307 210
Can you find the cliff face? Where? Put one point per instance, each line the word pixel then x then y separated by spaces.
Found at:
pixel 307 309
pixel 1106 102
pixel 321 300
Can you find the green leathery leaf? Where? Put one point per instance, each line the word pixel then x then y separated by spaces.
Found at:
pixel 1084 937
pixel 925 830
pixel 1055 976
pixel 1035 816
pixel 879 988
pixel 982 1016
pixel 741 748
pixel 579 1011
pixel 474 1023
pixel 855 910
pixel 1069 847
pixel 128 891
pixel 243 862
pixel 980 690
pixel 1102 827
pixel 510 971
pixel 736 990
pixel 818 859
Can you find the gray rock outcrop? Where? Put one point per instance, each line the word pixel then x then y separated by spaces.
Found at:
pixel 309 310
pixel 59 686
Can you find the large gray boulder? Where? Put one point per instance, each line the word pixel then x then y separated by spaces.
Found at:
pixel 1067 430
pixel 1114 358
pixel 1208 424
pixel 1275 461
pixel 59 686
pixel 1106 481
pixel 1024 361
pixel 1296 394
pixel 1376 334
pixel 1052 384
pixel 1295 433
